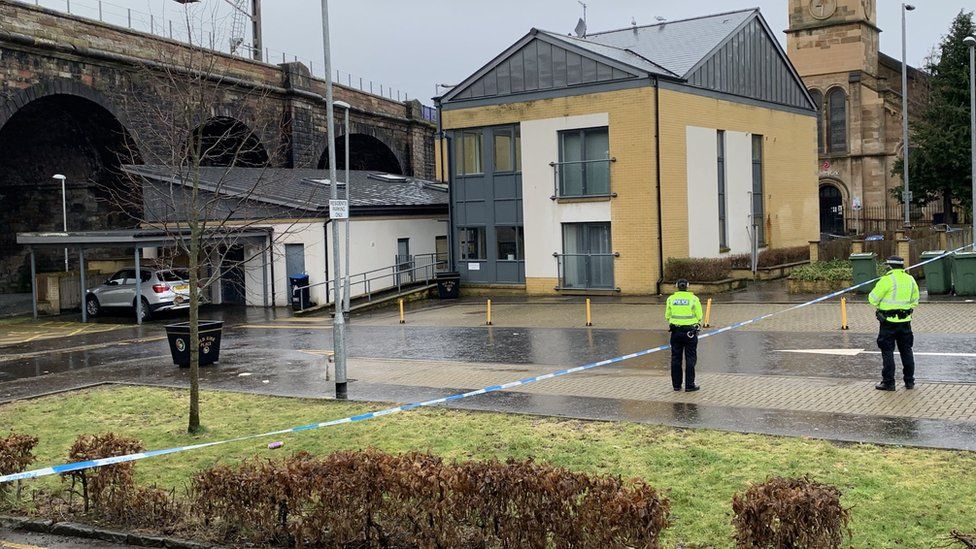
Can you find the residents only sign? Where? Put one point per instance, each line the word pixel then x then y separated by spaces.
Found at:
pixel 338 209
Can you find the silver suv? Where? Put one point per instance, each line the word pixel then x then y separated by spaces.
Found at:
pixel 162 290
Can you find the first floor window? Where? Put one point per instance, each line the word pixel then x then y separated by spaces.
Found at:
pixel 467 152
pixel 472 241
pixel 584 162
pixel 511 244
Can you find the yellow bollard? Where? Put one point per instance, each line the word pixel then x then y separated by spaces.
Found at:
pixel 402 321
pixel 843 313
pixel 589 318
pixel 488 312
pixel 708 312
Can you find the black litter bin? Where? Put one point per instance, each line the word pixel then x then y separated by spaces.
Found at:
pixel 449 285
pixel 179 342
pixel 299 292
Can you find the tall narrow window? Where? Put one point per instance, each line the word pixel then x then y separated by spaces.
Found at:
pixel 837 121
pixel 502 147
pixel 723 243
pixel 758 213
pixel 467 153
pixel 818 101
pixel 584 162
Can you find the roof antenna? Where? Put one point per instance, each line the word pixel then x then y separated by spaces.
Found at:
pixel 580 29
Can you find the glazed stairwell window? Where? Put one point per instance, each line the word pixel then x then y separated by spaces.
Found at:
pixel 472 242
pixel 467 152
pixel 584 163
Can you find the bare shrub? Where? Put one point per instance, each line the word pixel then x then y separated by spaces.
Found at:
pixel 772 257
pixel 373 499
pixel 790 513
pixel 16 454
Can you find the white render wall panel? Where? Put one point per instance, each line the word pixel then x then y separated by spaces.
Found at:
pixel 542 216
pixel 374 246
pixel 703 229
pixel 739 186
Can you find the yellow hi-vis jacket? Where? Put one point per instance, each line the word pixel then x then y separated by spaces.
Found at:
pixel 896 290
pixel 684 309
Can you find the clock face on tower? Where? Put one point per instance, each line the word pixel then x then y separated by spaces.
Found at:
pixel 822 9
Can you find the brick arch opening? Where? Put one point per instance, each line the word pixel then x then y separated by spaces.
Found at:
pixel 365 153
pixel 72 135
pixel 226 142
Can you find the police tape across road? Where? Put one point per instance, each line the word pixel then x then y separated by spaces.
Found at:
pixel 95 463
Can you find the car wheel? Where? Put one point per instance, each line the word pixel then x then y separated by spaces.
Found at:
pixel 92 306
pixel 146 313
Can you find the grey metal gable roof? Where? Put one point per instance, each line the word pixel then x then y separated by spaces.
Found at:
pixel 678 46
pixel 751 63
pixel 542 61
pixel 306 189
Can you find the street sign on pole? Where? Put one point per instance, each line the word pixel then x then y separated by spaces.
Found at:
pixel 338 209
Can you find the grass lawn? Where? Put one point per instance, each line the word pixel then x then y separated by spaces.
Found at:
pixel 901 497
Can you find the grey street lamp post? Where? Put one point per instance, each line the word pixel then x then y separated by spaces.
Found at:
pixel 971 42
pixel 64 214
pixel 907 194
pixel 346 106
pixel 339 322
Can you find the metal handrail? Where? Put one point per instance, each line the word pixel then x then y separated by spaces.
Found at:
pixel 557 188
pixel 397 271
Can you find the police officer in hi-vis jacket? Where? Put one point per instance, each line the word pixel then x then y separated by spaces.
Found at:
pixel 684 316
pixel 895 296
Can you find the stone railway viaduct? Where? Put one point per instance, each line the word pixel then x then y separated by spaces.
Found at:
pixel 65 107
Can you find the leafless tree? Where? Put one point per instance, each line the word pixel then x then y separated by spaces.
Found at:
pixel 196 126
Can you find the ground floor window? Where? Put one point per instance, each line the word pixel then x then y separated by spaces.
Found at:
pixel 511 244
pixel 587 258
pixel 472 242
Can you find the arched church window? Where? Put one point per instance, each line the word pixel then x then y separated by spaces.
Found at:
pixel 818 101
pixel 837 121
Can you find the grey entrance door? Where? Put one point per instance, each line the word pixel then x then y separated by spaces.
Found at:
pixel 403 261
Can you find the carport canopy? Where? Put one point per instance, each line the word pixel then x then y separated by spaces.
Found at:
pixel 126 238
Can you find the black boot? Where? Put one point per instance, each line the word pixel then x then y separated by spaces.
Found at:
pixel 885 386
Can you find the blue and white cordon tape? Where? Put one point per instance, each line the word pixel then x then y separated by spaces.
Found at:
pixel 91 464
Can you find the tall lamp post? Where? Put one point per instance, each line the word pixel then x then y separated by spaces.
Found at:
pixel 906 194
pixel 971 42
pixel 346 106
pixel 64 214
pixel 339 322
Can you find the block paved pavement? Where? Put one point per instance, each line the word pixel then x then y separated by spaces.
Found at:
pixel 942 401
pixel 952 317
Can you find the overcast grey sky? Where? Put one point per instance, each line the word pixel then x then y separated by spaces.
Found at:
pixel 412 44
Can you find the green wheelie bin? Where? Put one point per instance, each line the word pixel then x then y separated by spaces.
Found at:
pixel 964 273
pixel 938 273
pixel 865 268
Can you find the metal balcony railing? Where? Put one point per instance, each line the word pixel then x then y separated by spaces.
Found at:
pixel 585 271
pixel 582 179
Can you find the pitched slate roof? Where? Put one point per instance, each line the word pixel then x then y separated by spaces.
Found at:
pixel 610 51
pixel 678 46
pixel 308 189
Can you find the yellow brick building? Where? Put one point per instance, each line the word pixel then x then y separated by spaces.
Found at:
pixel 580 164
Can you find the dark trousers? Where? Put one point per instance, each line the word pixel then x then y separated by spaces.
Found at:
pixel 681 344
pixel 890 335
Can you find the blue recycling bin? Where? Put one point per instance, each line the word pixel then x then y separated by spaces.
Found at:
pixel 300 295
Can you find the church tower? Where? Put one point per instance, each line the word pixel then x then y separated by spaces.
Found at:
pixel 834 46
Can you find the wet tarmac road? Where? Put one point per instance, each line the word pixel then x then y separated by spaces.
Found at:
pixel 274 360
pixel 737 352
